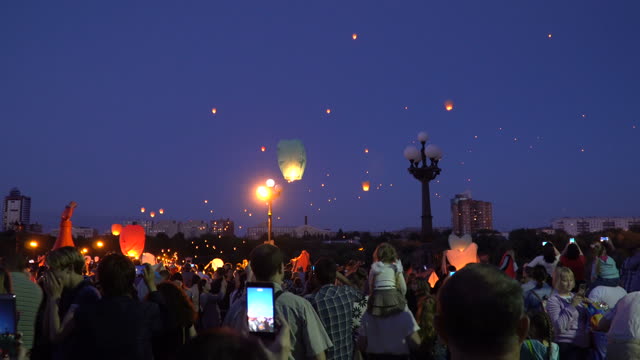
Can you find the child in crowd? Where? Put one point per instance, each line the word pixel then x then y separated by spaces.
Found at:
pixel 388 288
pixel 604 270
pixel 539 345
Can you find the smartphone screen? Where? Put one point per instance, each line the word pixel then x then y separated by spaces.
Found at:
pixel 544 243
pixel 8 320
pixel 451 273
pixel 572 240
pixel 139 270
pixel 261 309
pixel 582 289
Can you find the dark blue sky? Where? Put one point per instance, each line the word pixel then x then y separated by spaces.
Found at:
pixel 109 104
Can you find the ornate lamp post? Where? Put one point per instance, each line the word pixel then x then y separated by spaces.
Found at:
pixel 268 193
pixel 424 173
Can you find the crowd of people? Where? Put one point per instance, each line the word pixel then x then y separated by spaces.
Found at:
pixel 560 305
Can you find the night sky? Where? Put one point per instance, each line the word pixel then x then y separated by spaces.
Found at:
pixel 108 103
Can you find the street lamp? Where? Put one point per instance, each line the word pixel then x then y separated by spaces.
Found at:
pixel 268 193
pixel 33 244
pixel 424 173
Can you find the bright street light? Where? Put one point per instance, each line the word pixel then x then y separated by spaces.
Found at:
pixel 33 244
pixel 268 193
pixel 100 244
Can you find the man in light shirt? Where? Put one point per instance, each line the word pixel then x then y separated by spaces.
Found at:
pixel 609 295
pixel 623 326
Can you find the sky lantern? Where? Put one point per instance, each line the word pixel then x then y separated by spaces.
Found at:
pixel 328 111
pixel 354 36
pixel 292 159
pixel 366 185
pixel 433 279
pixel 161 211
pixel 549 35
pixel 214 111
pixel 448 105
pixel 366 151
pixel 263 149
pixel 463 251
pixel 152 214
pixel 116 229
pixel 206 201
pixel 132 240
pixel 142 209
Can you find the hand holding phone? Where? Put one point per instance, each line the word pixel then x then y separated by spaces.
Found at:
pixel 582 289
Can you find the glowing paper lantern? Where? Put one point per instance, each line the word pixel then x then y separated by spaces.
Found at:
pixel 292 159
pixel 448 105
pixel 263 149
pixel 142 209
pixel 216 263
pixel 132 240
pixel 328 111
pixel 152 214
pixel 354 36
pixel 161 211
pixel 302 261
pixel 116 229
pixel 214 111
pixel 463 251
pixel 148 259
pixel 433 279
pixel 366 185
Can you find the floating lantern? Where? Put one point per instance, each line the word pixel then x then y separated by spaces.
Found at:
pixel 132 240
pixel 263 149
pixel 214 111
pixel 328 111
pixel 292 159
pixel 354 36
pixel 366 185
pixel 152 214
pixel 463 251
pixel 448 105
pixel 161 211
pixel 116 229
pixel 142 209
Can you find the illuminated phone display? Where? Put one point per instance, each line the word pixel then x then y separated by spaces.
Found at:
pixel 260 308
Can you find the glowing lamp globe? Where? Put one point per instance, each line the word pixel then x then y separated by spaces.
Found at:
pixel 412 153
pixel 116 229
pixel 292 159
pixel 433 152
pixel 263 193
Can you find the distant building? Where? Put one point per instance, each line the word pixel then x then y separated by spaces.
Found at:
pixel 85 232
pixel 579 225
pixel 194 228
pixel 468 216
pixel 222 227
pixel 16 212
pixel 168 227
pixel 147 225
pixel 255 232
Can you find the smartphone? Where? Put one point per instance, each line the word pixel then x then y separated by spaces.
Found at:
pixel 544 243
pixel 604 238
pixel 139 270
pixel 261 311
pixel 572 240
pixel 582 289
pixel 451 273
pixel 8 318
